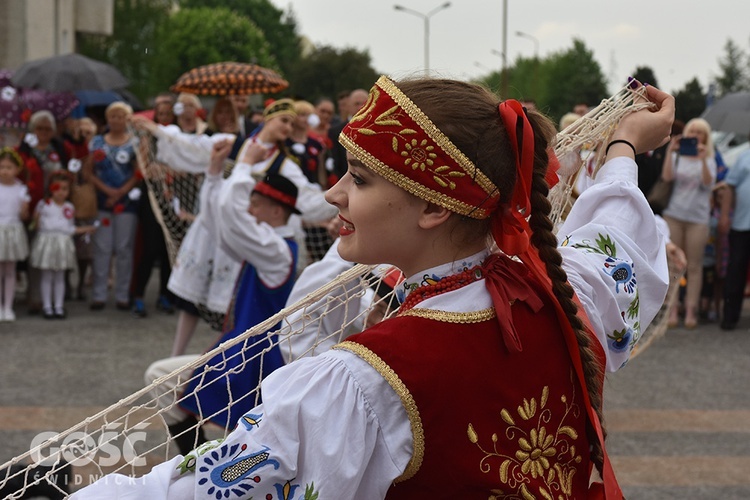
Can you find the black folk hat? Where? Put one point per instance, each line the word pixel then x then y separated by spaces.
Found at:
pixel 280 189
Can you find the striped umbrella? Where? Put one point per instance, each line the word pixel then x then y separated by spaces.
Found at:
pixel 230 78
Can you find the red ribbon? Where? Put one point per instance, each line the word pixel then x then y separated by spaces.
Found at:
pixel 511 231
pixel 512 234
pixel 506 282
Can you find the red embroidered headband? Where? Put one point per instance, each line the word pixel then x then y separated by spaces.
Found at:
pixel 394 138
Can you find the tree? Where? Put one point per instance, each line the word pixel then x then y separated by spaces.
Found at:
pixel 645 74
pixel 523 79
pixel 327 71
pixel 570 77
pixel 279 28
pixel 732 66
pixel 131 45
pixel 194 37
pixel 556 82
pixel 690 101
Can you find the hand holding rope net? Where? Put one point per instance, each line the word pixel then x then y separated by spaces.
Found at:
pixel 308 326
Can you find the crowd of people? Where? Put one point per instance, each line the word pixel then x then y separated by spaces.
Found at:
pixel 114 239
pixel 420 174
pixel 434 170
pixel 697 216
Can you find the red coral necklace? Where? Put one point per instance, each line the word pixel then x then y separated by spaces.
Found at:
pixel 447 284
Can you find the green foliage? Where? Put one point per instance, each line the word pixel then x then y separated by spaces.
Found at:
pixel 279 28
pixel 310 493
pixel 570 77
pixel 327 71
pixel 194 37
pixel 732 66
pixel 690 101
pixel 130 48
pixel 556 82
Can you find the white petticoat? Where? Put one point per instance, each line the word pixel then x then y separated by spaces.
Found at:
pixel 14 245
pixel 202 272
pixel 53 251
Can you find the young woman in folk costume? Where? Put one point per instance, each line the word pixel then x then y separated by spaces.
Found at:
pixel 487 383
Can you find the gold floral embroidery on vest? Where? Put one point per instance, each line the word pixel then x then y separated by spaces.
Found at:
pixel 546 452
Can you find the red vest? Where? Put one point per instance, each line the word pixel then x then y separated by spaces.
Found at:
pixel 486 423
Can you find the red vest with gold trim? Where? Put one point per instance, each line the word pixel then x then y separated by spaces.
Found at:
pixel 486 423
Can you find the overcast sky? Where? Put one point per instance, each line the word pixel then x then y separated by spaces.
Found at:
pixel 678 39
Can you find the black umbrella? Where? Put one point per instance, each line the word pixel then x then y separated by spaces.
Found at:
pixel 731 113
pixel 68 73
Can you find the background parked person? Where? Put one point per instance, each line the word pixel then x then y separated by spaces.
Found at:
pixel 738 228
pixel 112 167
pixel 43 153
pixel 187 109
pixel 687 214
pixel 14 245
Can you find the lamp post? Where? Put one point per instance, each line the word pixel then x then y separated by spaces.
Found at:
pixel 533 39
pixel 426 19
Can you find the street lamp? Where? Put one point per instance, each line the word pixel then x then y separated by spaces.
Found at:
pixel 426 18
pixel 533 39
pixel 501 55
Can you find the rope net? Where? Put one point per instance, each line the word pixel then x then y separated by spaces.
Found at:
pixel 136 427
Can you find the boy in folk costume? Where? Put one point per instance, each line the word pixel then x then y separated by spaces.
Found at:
pixel 487 383
pixel 269 256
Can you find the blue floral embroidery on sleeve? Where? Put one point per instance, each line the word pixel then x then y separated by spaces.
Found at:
pixel 233 476
pixel 251 420
pixel 622 272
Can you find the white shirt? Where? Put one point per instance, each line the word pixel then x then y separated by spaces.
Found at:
pixel 333 422
pixel 54 218
pixel 185 152
pixel 11 199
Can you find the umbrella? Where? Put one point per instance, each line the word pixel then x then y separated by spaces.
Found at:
pixel 230 78
pixel 731 113
pixel 69 72
pixel 17 105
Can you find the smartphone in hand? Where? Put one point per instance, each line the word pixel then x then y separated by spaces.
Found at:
pixel 689 146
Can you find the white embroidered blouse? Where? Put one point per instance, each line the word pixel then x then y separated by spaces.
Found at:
pixel 332 425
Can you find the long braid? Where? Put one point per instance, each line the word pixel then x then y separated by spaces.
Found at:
pixel 546 244
pixel 481 136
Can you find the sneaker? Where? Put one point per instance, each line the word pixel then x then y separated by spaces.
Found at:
pixel 139 308
pixel 9 315
pixel 48 314
pixel 163 304
pixel 61 314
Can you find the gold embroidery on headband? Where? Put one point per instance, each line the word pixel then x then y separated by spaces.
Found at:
pixel 415 188
pixel 436 135
pixel 422 160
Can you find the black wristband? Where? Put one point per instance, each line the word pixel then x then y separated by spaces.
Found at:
pixel 620 141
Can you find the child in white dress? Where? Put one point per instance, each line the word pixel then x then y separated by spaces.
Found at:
pixel 14 207
pixel 53 250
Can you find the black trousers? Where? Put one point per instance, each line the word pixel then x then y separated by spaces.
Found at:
pixel 153 248
pixel 734 283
